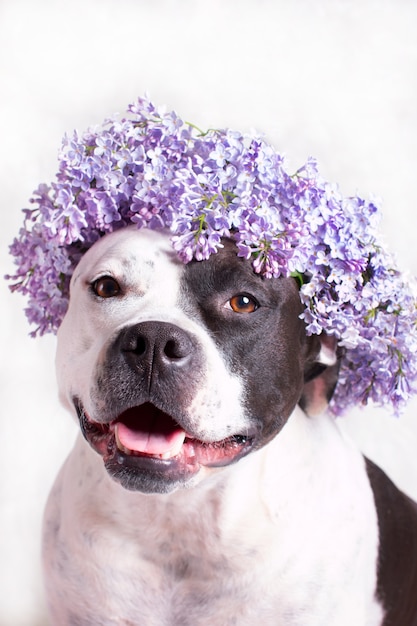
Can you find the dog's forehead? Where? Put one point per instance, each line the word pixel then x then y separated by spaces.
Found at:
pixel 131 253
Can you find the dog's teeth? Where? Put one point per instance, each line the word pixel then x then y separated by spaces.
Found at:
pixel 170 454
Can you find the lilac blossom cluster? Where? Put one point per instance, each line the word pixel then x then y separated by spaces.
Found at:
pixel 156 171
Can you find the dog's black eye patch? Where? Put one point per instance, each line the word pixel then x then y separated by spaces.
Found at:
pixel 105 287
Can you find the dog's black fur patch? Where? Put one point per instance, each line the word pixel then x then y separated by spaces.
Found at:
pixel 397 565
pixel 251 342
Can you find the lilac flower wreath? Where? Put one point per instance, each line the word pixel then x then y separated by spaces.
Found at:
pixel 156 171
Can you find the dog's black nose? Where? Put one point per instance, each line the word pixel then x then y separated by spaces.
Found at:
pixel 156 346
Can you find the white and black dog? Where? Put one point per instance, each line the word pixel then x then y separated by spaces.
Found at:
pixel 210 487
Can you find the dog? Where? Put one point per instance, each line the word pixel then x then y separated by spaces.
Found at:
pixel 208 486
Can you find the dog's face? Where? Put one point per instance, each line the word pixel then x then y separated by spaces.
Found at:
pixel 176 370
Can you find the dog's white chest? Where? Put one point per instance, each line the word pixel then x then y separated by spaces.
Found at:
pixel 250 548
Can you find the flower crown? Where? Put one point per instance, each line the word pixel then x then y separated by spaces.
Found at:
pixel 156 171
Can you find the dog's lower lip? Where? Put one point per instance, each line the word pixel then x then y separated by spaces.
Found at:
pixel 185 451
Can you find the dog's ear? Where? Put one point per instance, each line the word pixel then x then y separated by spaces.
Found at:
pixel 320 376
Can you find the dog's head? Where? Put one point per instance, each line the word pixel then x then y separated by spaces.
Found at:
pixel 173 369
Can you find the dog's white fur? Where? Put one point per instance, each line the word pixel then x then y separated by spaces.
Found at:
pixel 269 546
pixel 287 536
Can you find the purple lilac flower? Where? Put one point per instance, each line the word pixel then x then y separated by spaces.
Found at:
pixel 156 171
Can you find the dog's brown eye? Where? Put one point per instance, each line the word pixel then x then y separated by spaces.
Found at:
pixel 106 287
pixel 242 303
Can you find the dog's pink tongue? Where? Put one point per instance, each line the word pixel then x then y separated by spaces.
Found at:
pixel 154 433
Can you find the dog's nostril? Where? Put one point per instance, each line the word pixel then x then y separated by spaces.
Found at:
pixel 141 346
pixel 136 344
pixel 173 350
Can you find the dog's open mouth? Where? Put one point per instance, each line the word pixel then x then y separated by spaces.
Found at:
pixel 144 437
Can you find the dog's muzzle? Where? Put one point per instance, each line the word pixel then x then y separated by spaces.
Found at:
pixel 144 430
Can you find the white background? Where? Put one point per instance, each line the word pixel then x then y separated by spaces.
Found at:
pixel 332 79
